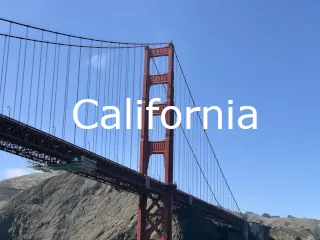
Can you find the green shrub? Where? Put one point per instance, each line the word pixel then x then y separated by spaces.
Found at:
pixel 287 224
pixel 266 215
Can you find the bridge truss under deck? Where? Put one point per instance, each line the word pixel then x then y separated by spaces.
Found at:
pixel 25 141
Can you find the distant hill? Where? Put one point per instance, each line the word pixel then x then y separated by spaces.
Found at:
pixel 289 228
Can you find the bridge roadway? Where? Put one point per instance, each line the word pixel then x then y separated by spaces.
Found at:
pixel 23 140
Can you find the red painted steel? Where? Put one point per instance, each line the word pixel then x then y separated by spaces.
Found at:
pixel 161 106
pixel 158 217
pixel 159 79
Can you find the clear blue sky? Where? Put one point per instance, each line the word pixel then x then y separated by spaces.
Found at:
pixel 262 54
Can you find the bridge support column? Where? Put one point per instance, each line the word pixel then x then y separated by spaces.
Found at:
pixel 246 231
pixel 142 215
pixel 155 218
pixel 155 215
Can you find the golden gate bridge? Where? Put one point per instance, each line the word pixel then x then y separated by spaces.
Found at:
pixel 44 73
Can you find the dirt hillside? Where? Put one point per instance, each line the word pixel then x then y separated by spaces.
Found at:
pixel 65 206
pixel 13 186
pixel 71 207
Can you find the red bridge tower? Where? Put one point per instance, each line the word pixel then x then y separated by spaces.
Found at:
pixel 156 218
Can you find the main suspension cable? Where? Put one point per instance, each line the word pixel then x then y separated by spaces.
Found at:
pixel 78 37
pixel 189 144
pixel 214 154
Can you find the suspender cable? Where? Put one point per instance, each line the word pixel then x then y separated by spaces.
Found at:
pixel 39 77
pixel 66 93
pixel 17 80
pixel 108 95
pixel 24 67
pixel 5 76
pixel 104 89
pixel 78 83
pixel 31 81
pixel 53 85
pixel 133 95
pixel 56 93
pixel 44 85
pixel 3 61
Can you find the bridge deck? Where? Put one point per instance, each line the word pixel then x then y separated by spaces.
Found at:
pixel 23 140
